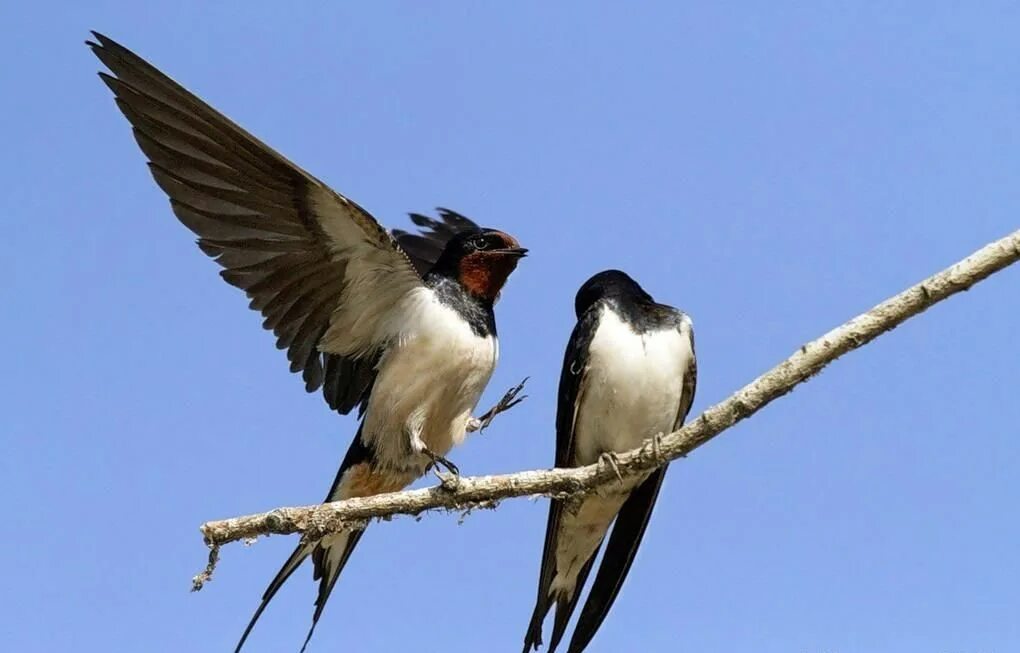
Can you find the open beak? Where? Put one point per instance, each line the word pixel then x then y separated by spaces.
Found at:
pixel 519 252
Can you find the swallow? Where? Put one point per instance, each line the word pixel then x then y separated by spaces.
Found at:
pixel 629 374
pixel 395 324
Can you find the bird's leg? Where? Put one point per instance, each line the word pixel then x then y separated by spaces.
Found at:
pixel 418 446
pixel 609 459
pixel 508 401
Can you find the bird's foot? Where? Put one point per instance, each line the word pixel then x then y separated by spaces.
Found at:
pixel 448 480
pixel 508 401
pixel 610 459
pixel 657 447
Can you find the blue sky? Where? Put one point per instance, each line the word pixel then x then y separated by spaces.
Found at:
pixel 771 168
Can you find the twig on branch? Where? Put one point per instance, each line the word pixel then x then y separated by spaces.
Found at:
pixel 200 579
pixel 314 522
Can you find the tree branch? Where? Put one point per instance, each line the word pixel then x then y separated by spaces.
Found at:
pixel 313 522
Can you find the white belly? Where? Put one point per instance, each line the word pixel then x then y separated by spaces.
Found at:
pixel 428 384
pixel 632 387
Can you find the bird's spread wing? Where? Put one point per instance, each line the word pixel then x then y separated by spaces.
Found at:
pixel 572 380
pixel 424 248
pixel 629 527
pixel 323 273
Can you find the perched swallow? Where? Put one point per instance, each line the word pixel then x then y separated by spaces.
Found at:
pixel 399 325
pixel 629 374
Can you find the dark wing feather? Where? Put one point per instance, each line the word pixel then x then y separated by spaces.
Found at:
pixel 690 379
pixel 348 381
pixel 575 364
pixel 424 248
pixel 629 527
pixel 313 262
pixel 572 378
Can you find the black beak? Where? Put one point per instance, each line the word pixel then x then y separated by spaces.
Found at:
pixel 519 252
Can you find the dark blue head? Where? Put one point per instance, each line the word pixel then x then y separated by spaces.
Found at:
pixel 609 284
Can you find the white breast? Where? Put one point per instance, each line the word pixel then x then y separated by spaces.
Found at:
pixel 428 382
pixel 632 386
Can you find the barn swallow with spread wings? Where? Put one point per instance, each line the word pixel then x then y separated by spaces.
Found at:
pixel 628 375
pixel 399 325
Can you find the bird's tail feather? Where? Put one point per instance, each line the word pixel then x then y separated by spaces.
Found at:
pixel 288 568
pixel 565 606
pixel 533 638
pixel 329 555
pixel 329 558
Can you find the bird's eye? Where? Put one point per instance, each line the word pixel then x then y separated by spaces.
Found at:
pixel 480 243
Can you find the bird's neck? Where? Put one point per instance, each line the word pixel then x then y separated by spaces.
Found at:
pixel 474 308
